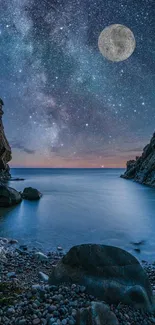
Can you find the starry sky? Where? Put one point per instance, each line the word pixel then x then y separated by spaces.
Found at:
pixel 65 104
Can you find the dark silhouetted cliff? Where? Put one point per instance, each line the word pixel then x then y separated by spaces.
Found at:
pixel 142 169
pixel 5 150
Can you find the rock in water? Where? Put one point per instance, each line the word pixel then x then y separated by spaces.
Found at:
pixel 30 193
pixel 13 241
pixel 5 150
pixel 9 196
pixel 97 314
pixel 109 273
pixel 142 169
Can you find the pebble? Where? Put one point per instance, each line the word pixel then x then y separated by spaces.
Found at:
pixel 40 256
pixel 22 322
pixel 36 321
pixel 59 248
pixel 82 289
pixel 152 320
pixel 51 320
pixel 36 287
pixel 10 310
pixel 52 308
pixel 11 274
pixel 44 277
pixel 126 316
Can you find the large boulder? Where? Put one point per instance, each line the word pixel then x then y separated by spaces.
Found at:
pixel 30 193
pixel 97 314
pixel 109 273
pixel 9 196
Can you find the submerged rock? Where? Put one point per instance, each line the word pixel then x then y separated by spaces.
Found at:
pixel 141 242
pixel 30 193
pixel 107 272
pixel 9 196
pixel 97 314
pixel 142 169
pixel 137 250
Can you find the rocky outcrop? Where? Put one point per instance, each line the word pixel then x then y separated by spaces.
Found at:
pixel 31 194
pixel 5 150
pixel 142 169
pixel 9 196
pixel 97 314
pixel 107 272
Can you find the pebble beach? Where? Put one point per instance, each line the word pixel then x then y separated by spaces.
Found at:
pixel 26 298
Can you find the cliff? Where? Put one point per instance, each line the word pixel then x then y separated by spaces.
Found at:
pixel 5 150
pixel 142 169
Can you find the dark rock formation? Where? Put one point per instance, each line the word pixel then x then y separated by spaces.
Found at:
pixel 107 272
pixel 9 196
pixel 97 314
pixel 5 150
pixel 142 169
pixel 17 179
pixel 30 193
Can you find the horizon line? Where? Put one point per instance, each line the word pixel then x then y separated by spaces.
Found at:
pixel 67 167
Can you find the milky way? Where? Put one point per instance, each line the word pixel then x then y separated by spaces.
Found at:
pixel 65 104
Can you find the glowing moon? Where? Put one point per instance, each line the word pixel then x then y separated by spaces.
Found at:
pixel 116 42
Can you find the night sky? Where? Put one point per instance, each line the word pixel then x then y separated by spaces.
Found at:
pixel 65 104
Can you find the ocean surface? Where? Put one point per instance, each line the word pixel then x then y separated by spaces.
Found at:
pixel 82 206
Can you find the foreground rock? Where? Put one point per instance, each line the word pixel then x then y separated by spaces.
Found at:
pixel 30 193
pixel 5 150
pixel 108 272
pixel 97 314
pixel 9 196
pixel 142 169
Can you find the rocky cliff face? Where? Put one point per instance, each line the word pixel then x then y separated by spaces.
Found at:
pixel 5 150
pixel 142 169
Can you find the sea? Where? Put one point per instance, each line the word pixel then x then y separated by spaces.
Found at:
pixel 82 206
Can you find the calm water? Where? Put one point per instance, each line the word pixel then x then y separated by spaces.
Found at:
pixel 82 206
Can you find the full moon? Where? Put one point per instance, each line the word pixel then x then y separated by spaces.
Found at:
pixel 116 42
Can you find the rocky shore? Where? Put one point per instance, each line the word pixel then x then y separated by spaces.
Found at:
pixel 26 297
pixel 142 169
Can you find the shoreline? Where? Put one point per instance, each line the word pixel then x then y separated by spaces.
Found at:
pixel 26 298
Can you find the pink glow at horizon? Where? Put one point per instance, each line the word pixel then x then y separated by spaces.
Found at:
pixel 37 161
